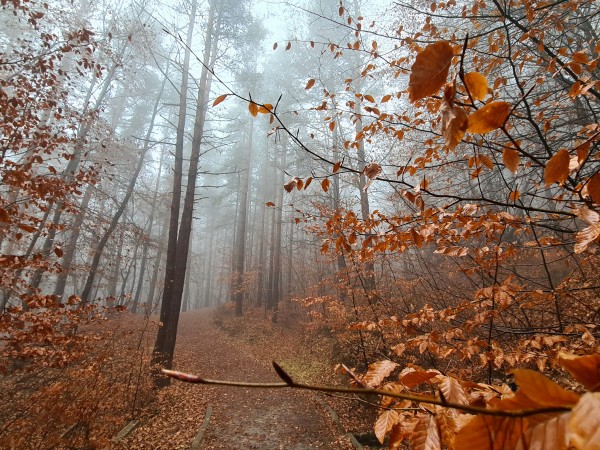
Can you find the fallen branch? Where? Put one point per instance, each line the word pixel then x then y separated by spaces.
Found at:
pixel 288 382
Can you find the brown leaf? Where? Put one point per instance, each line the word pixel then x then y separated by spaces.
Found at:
pixel 310 83
pixel 325 184
pixel 593 188
pixel 486 161
pixel 511 159
pixel 290 185
pixel 477 85
pixel 58 251
pixel 550 434
pixel 430 70
pixel 220 99
pixel 337 166
pixel 401 431
pixel 454 121
pixel 557 168
pixel 453 391
pixel 386 420
pixel 584 369
pixel 4 215
pixel 379 371
pixel 411 377
pixel 584 424
pixel 253 108
pixel 270 204
pixel 371 170
pixel 489 118
pixel 426 435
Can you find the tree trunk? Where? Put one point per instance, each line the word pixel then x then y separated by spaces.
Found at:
pixel 178 250
pixel 240 240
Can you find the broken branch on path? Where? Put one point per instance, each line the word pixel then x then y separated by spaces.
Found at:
pixel 288 382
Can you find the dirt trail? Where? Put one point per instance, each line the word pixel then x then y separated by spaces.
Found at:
pixel 241 418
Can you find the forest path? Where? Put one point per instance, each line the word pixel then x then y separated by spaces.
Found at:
pixel 241 418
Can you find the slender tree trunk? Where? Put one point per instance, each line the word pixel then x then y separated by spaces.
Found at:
pixel 177 253
pixel 138 290
pixel 240 253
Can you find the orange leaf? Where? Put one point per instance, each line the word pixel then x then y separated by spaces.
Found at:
pixel 310 83
pixel 542 390
pixel 430 70
pixel 270 204
pixel 379 371
pixel 477 85
pixel 593 187
pixel 332 125
pixel 265 109
pixel 426 435
pixel 581 57
pixel 550 434
pixel 585 369
pixel 489 118
pixel 584 424
pixel 386 98
pixel 253 108
pixel 486 161
pixel 386 420
pixel 411 377
pixel 511 159
pixel 369 98
pixel 307 183
pixel 337 166
pixel 325 184
pixel 490 433
pixel 557 168
pixel 453 391
pixel 220 99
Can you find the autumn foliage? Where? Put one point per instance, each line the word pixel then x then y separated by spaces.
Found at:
pixel 491 252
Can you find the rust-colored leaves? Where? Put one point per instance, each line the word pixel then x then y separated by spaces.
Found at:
pixel 454 121
pixel 511 159
pixel 557 168
pixel 220 99
pixel 585 369
pixel 593 188
pixel 489 118
pixel 477 85
pixel 430 70
pixel 253 108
